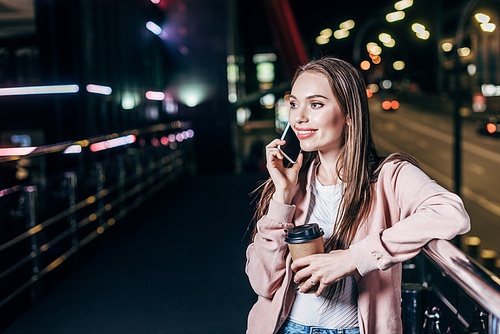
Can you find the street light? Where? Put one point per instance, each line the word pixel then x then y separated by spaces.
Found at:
pixel 326 32
pixel 420 31
pixel 447 46
pixel 403 4
pixel 384 38
pixel 339 34
pixel 347 25
pixel 488 27
pixel 343 32
pixel 322 40
pixel 485 23
pixel 387 40
pixel 395 16
pixel 464 51
pixel 398 65
pixel 371 21
pixel 482 18
pixel 373 48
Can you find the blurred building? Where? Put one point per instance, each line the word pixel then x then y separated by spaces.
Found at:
pixel 106 66
pixel 74 69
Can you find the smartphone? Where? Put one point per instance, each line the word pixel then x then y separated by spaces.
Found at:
pixel 291 149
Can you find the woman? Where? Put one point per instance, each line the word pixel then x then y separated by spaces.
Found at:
pixel 376 213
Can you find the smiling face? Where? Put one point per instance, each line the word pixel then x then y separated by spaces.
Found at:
pixel 315 114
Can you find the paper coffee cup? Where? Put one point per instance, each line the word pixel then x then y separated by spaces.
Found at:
pixel 305 240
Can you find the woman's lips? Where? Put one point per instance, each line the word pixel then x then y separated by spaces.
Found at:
pixel 305 133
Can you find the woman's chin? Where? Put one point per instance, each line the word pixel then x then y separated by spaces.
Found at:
pixel 307 148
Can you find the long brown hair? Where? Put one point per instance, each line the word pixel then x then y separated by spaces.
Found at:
pixel 358 164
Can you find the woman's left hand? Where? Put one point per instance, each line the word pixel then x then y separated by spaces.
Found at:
pixel 323 269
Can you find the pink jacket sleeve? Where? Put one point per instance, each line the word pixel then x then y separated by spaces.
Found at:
pixel 266 255
pixel 424 211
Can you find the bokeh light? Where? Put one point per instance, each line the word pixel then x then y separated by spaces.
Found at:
pixel 398 65
pixel 447 46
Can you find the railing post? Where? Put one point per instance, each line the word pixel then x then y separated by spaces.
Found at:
pixel 138 166
pixel 31 221
pixel 139 171
pixel 122 178
pixel 101 178
pixel 72 183
pixel 414 301
pixel 493 324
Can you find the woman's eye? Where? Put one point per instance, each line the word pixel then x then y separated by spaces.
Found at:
pixel 316 105
pixel 292 104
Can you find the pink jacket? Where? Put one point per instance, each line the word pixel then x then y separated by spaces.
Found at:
pixel 408 210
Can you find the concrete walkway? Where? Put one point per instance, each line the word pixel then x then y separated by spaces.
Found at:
pixel 175 266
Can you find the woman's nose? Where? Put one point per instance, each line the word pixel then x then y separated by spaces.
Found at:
pixel 300 115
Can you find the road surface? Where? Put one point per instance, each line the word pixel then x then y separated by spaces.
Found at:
pixel 428 136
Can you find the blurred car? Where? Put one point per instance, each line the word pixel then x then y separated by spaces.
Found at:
pixel 486 110
pixel 390 105
pixel 387 95
pixel 489 125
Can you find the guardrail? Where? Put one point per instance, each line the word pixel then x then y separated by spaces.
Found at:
pixel 74 198
pixel 449 292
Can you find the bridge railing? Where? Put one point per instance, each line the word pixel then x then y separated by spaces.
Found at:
pixel 76 192
pixel 447 291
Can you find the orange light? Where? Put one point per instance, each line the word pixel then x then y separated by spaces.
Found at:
pixel 386 105
pixel 365 65
pixel 491 128
pixel 394 104
pixel 369 93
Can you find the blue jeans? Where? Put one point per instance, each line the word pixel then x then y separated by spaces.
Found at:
pixel 290 327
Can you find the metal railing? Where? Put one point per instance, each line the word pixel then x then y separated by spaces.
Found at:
pixel 450 293
pixel 73 199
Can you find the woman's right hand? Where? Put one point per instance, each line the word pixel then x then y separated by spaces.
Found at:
pixel 284 179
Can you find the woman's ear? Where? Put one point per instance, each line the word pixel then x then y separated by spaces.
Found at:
pixel 348 121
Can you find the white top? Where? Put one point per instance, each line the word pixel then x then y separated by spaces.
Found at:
pixel 308 309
